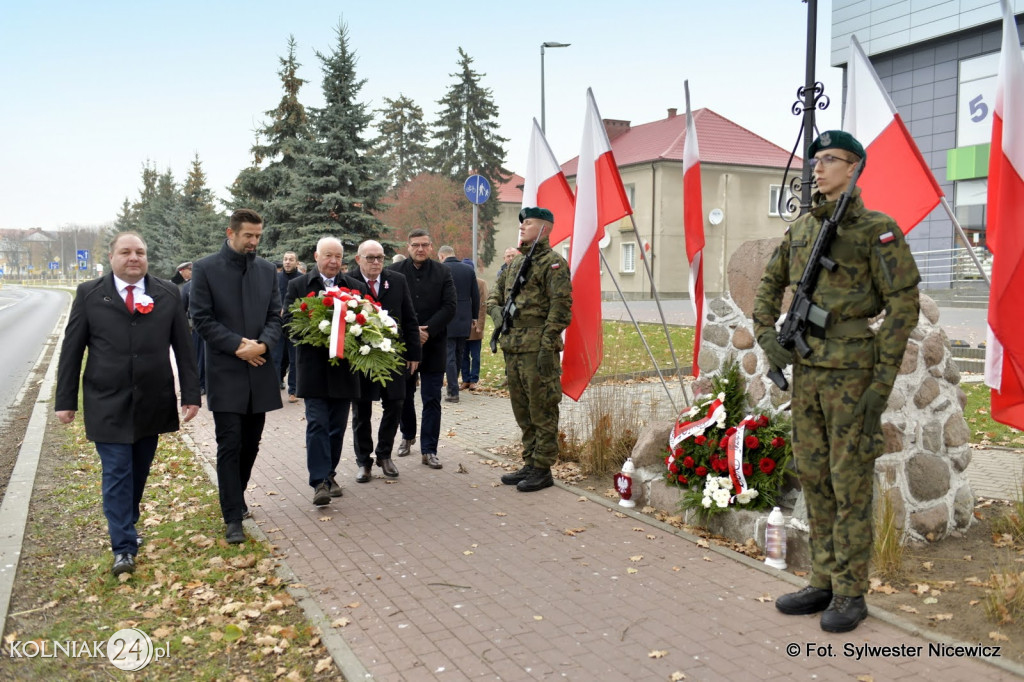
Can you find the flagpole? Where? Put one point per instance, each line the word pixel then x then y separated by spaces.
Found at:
pixel 636 324
pixel 963 237
pixel 657 299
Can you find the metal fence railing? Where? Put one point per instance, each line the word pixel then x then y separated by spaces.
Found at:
pixel 952 274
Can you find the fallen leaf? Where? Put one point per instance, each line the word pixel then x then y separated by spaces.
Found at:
pixel 931 600
pixel 941 616
pixel 927 565
pixel 652 537
pixel 322 665
pixel 538 617
pixel 636 558
pixel 500 514
pixel 340 622
pixel 324 519
pixel 618 514
pixel 706 558
pixel 703 543
pixel 631 570
pixel 353 605
pixel 676 677
pixel 468 552
pixel 920 588
pixel 998 637
pixel 657 654
pixel 764 598
pixel 908 608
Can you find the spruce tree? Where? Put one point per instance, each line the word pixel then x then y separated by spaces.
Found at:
pixel 468 142
pixel 402 144
pixel 265 185
pixel 200 225
pixel 339 184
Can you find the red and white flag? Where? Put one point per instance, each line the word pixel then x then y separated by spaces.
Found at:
pixel 545 185
pixel 600 200
pixel 1004 355
pixel 896 180
pixel 693 225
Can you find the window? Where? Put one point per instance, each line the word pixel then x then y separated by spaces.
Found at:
pixel 773 200
pixel 630 194
pixel 565 250
pixel 628 257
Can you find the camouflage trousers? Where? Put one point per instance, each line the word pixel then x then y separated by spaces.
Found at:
pixel 535 400
pixel 835 463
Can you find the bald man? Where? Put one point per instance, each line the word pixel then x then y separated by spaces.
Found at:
pixel 328 390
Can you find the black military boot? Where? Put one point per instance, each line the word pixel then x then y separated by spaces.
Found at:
pixel 843 614
pixel 537 479
pixel 514 477
pixel 808 600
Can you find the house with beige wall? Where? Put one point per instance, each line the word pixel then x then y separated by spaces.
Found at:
pixel 741 178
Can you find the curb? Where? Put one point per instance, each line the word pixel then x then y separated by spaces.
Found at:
pixel 348 663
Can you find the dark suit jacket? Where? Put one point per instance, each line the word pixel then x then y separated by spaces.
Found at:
pixel 234 295
pixel 128 383
pixel 394 296
pixel 315 376
pixel 468 298
pixel 433 297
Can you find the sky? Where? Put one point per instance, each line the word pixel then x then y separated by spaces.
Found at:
pixel 93 91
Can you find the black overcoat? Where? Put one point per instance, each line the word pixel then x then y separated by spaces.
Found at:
pixel 128 384
pixel 394 296
pixel 467 293
pixel 233 296
pixel 315 376
pixel 433 298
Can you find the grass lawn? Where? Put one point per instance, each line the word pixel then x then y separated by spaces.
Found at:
pixel 984 429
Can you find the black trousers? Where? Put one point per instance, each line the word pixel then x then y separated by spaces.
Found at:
pixel 362 429
pixel 238 442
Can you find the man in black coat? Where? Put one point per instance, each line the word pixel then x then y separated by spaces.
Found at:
pixel 127 320
pixel 392 292
pixel 284 357
pixel 467 293
pixel 236 308
pixel 433 297
pixel 328 390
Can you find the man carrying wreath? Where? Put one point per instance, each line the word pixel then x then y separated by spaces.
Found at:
pixel 327 389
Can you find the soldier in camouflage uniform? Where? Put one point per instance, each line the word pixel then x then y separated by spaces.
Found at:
pixel 532 346
pixel 841 389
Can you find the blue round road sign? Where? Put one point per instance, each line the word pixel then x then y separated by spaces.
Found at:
pixel 477 189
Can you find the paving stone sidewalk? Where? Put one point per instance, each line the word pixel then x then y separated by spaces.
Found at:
pixel 449 575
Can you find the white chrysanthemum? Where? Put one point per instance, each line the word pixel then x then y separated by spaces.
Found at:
pixel 352 303
pixel 386 319
pixel 350 317
pixel 706 502
pixel 385 345
pixel 324 326
pixel 746 496
pixel 364 350
pixel 721 497
pixel 375 343
pixel 356 330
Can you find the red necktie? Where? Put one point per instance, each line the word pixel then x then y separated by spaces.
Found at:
pixel 373 288
pixel 129 300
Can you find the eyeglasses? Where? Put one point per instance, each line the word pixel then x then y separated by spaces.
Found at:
pixel 373 259
pixel 827 160
pixel 422 245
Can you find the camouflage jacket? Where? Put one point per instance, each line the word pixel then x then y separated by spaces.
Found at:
pixel 876 272
pixel 544 304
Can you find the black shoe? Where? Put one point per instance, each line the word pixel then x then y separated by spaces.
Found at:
pixel 123 563
pixel 451 398
pixel 431 461
pixel 516 476
pixel 364 474
pixel 335 489
pixel 405 447
pixel 234 533
pixel 537 479
pixel 322 493
pixel 388 467
pixel 808 600
pixel 843 614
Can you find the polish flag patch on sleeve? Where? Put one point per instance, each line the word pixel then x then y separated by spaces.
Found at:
pixel 886 238
pixel 555 266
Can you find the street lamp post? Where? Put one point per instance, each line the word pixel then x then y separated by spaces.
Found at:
pixel 543 128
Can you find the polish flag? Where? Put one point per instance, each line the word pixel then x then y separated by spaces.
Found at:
pixel 546 185
pixel 1004 355
pixel 600 200
pixel 693 225
pixel 896 180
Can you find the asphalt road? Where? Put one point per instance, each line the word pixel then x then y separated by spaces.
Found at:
pixel 27 318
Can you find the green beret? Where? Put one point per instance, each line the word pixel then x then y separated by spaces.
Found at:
pixel 536 212
pixel 837 139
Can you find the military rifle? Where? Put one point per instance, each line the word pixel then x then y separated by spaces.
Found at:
pixel 508 311
pixel 804 315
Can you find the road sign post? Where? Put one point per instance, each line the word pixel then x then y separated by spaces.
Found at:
pixel 477 190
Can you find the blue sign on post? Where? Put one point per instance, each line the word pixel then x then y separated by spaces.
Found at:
pixel 477 189
pixel 54 265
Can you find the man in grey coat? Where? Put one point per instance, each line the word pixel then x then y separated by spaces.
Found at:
pixel 236 308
